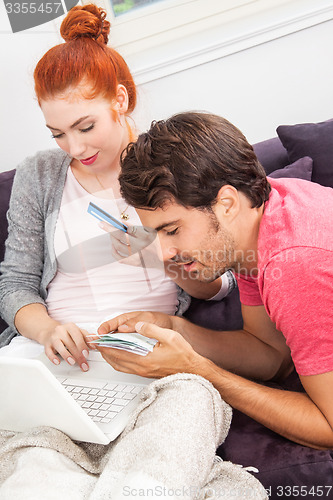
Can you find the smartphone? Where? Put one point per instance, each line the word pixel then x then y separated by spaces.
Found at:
pixel 105 217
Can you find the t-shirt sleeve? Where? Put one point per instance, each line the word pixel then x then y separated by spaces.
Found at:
pixel 300 302
pixel 248 290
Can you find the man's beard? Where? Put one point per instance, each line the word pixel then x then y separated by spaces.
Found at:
pixel 217 258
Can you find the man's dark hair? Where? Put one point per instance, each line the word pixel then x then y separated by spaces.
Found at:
pixel 187 159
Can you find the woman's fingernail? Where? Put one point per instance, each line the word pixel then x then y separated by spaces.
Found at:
pixel 85 367
pixel 56 361
pixel 85 353
pixel 139 325
pixel 71 361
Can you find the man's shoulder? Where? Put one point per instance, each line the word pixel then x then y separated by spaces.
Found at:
pixel 297 214
pixel 296 193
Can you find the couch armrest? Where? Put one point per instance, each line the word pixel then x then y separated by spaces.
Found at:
pixel 6 182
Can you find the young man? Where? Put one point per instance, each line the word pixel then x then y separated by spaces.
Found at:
pixel 196 180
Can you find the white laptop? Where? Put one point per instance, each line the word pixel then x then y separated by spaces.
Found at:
pixel 94 406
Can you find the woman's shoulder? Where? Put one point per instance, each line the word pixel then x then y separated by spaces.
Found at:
pixel 43 173
pixel 44 167
pixel 49 160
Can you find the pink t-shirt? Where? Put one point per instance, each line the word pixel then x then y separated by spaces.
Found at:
pixel 295 271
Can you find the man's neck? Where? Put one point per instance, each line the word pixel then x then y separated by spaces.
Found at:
pixel 249 238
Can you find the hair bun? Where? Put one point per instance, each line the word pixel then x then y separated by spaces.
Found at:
pixel 87 21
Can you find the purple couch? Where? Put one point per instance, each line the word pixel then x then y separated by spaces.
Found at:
pixel 286 469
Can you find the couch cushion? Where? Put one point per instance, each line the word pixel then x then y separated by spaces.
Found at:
pixel 314 140
pixel 300 169
pixel 222 314
pixel 271 154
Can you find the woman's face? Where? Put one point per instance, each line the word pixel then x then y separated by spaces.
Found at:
pixel 92 131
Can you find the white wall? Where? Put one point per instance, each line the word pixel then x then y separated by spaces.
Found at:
pixel 22 129
pixel 287 80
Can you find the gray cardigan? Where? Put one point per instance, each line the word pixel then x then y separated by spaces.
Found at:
pixel 30 264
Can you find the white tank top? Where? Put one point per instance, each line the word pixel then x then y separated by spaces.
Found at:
pixel 91 285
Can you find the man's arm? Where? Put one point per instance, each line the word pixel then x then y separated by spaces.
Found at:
pixel 304 418
pixel 258 351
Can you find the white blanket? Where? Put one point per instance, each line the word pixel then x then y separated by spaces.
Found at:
pixel 166 451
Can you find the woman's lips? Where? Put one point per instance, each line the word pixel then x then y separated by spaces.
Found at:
pixel 90 160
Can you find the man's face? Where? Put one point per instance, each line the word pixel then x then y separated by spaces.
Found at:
pixel 192 238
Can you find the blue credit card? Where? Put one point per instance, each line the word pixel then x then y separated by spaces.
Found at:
pixel 105 217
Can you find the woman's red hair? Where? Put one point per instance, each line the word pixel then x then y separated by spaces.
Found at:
pixel 84 58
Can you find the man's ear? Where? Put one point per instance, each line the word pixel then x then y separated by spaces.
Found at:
pixel 227 202
pixel 121 100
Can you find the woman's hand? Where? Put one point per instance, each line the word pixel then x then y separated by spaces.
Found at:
pixel 69 341
pixel 129 245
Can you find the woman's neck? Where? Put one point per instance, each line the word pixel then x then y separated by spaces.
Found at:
pixel 104 184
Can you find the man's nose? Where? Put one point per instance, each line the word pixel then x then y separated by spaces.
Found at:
pixel 168 252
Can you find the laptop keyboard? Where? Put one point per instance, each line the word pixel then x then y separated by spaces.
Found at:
pixel 100 400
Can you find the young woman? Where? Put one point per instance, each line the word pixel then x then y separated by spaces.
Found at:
pixel 60 270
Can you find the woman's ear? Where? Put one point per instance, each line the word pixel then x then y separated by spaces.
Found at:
pixel 121 100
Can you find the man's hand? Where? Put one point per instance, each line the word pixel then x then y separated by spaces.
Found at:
pixel 172 354
pixel 126 322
